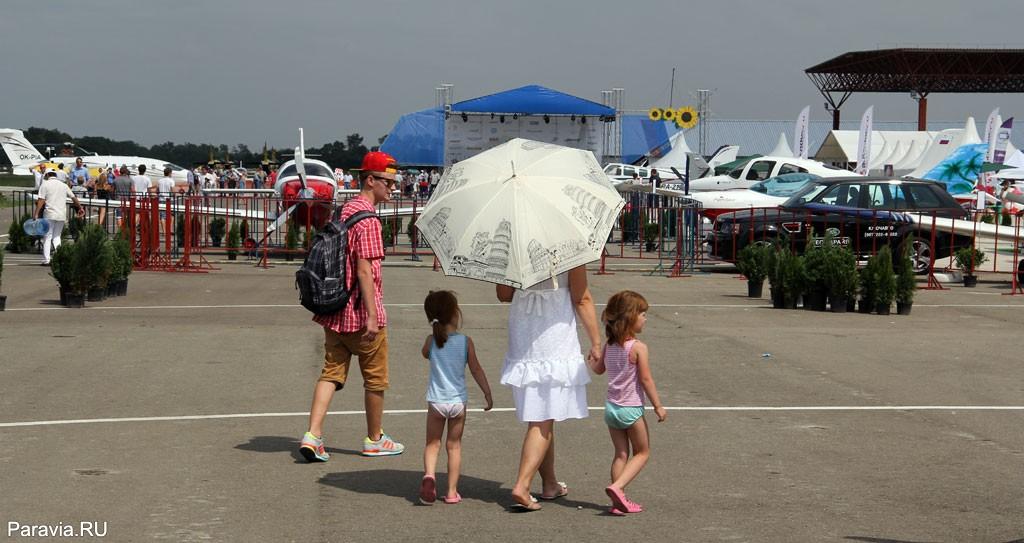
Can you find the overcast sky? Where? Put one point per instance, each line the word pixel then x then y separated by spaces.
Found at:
pixel 246 71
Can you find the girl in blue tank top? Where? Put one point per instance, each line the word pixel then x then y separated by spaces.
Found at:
pixel 449 352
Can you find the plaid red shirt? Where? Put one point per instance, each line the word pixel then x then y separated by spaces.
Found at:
pixel 364 241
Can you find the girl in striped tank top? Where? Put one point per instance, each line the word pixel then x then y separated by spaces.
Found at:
pixel 629 382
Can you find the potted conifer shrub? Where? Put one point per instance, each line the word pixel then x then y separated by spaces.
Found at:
pixel 61 262
pixel 216 230
pixel 868 283
pixel 841 277
pixel 967 259
pixel 96 255
pixel 122 267
pixel 771 268
pixel 291 241
pixel 752 263
pixel 886 292
pixel 3 297
pixel 234 240
pixel 906 283
pixel 651 236
pixel 815 262
pixel 788 278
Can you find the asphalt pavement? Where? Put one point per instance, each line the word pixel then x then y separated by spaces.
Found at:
pixel 174 413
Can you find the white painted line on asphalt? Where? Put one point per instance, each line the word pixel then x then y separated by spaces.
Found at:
pixel 509 409
pixel 296 306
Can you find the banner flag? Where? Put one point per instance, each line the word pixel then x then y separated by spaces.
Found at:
pixel 864 141
pixel 1002 139
pixel 800 135
pixel 991 125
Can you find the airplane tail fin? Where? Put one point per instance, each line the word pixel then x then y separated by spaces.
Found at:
pixel 724 155
pixel 22 154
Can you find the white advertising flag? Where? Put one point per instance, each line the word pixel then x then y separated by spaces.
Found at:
pixel 991 125
pixel 864 141
pixel 801 133
pixel 1002 139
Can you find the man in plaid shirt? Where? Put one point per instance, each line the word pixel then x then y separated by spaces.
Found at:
pixel 361 328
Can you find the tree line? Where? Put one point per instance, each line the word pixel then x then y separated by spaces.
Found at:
pixel 345 154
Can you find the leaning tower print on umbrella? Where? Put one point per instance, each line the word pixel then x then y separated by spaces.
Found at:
pixel 520 213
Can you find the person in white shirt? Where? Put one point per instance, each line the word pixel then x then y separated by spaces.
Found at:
pixel 142 184
pixel 61 174
pixel 52 204
pixel 165 186
pixel 38 172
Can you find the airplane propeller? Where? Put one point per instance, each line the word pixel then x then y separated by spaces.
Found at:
pixel 305 194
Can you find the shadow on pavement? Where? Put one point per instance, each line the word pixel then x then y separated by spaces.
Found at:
pixel 405 484
pixel 279 444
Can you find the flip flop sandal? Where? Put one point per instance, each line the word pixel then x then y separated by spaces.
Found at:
pixel 451 500
pixel 520 508
pixel 563 490
pixel 428 490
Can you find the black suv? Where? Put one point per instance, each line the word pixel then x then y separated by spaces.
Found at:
pixel 863 213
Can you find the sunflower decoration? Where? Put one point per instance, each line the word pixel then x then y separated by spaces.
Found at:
pixel 654 114
pixel 686 117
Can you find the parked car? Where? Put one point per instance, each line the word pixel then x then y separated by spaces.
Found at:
pixel 863 213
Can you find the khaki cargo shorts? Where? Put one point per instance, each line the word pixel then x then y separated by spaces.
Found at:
pixel 373 359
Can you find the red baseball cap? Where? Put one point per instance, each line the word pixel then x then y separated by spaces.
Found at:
pixel 377 162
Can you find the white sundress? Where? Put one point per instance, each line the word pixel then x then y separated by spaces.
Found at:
pixel 543 366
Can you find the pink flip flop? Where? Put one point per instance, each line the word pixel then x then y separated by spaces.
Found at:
pixel 428 490
pixel 452 500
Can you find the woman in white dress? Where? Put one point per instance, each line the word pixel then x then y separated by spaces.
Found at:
pixel 546 370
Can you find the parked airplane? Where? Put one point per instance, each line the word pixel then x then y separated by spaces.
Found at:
pixel 307 189
pixel 24 156
pixel 762 168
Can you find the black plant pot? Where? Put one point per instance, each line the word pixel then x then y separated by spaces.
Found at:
pixel 754 289
pixel 816 300
pixel 3 302
pixel 839 305
pixel 215 242
pixel 650 246
pixel 790 303
pixel 865 307
pixel 970 281
pixel 63 295
pixel 851 305
pixel 778 300
pixel 97 294
pixel 903 308
pixel 122 288
pixel 289 257
pixel 111 289
pixel 883 309
pixel 232 256
pixel 75 299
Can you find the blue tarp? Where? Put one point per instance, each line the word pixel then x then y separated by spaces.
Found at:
pixel 417 139
pixel 533 100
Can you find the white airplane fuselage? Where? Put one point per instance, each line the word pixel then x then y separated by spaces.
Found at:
pixel 762 168
pixel 24 157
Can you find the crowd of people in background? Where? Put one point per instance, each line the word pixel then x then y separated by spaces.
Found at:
pixel 413 183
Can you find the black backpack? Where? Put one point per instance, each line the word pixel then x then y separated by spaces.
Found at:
pixel 321 281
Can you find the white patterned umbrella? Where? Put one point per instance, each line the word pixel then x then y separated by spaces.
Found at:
pixel 520 213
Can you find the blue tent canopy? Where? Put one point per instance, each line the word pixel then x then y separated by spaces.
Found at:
pixel 533 100
pixel 417 139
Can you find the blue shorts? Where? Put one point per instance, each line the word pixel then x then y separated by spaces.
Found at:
pixel 621 417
